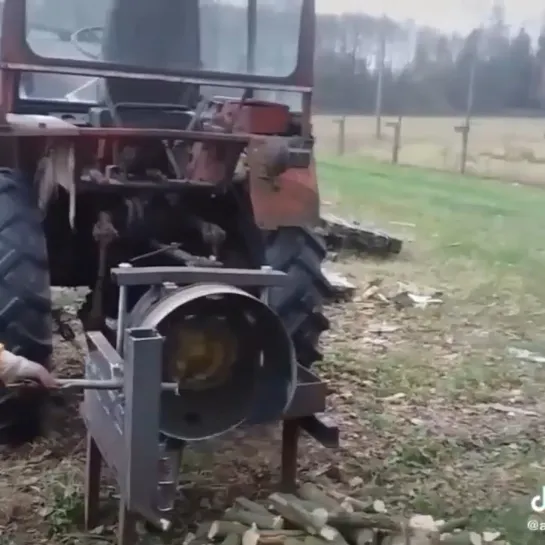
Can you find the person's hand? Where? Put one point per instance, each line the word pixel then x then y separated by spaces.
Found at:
pixel 30 370
pixel 15 368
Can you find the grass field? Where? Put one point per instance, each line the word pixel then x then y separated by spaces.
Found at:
pixel 441 410
pixel 452 414
pixel 512 148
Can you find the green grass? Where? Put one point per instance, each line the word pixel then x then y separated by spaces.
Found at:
pixel 491 230
pixel 482 242
pixel 495 223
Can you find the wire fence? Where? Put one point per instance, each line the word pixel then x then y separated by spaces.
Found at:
pixel 510 148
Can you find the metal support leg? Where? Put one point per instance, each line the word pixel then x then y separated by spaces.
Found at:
pixel 126 526
pixel 92 484
pixel 290 440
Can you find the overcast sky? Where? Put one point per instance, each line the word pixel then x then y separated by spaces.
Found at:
pixel 448 15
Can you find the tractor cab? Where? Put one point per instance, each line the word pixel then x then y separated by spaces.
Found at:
pixel 152 61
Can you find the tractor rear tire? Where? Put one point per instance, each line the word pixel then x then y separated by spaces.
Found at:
pixel 25 302
pixel 299 253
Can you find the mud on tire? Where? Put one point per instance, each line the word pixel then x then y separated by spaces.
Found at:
pixel 299 253
pixel 25 301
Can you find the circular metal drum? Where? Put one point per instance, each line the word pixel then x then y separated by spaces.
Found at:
pixel 229 352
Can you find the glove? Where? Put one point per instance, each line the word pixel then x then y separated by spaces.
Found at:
pixel 15 368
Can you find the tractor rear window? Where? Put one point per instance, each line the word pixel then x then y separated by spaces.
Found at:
pixel 197 34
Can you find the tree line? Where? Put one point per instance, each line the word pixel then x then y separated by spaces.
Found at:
pixel 425 72
pixel 434 77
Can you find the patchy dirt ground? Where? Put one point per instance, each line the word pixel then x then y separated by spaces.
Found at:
pixel 440 408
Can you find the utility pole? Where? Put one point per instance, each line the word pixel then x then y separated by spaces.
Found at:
pixel 471 85
pixel 380 78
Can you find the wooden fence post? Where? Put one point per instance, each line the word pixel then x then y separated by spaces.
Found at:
pixel 341 136
pixel 396 125
pixel 464 131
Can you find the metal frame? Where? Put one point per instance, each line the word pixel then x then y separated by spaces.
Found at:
pixel 123 426
pixel 126 439
pixel 16 55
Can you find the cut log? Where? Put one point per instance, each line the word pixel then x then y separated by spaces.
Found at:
pixel 222 528
pixel 203 529
pixel 355 503
pixel 275 537
pixel 341 234
pixel 346 506
pixel 315 540
pixel 363 520
pixel 292 510
pixel 454 524
pixel 232 539
pixel 278 537
pixel 400 539
pixel 305 504
pixel 282 533
pixel 189 538
pixel 313 522
pixel 461 538
pixel 294 541
pixel 361 536
pixel 251 536
pixel 264 521
pixel 312 493
pixel 250 505
pixel 420 537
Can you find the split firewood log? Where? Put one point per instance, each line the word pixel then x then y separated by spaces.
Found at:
pixel 249 505
pixel 222 528
pixel 265 521
pixel 314 522
pixel 232 539
pixel 312 493
pixel 379 521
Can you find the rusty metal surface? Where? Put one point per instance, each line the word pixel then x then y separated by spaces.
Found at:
pixel 93 470
pixel 291 199
pixel 291 430
pixel 256 116
pixel 139 276
pixel 35 125
pixel 310 395
pixel 135 187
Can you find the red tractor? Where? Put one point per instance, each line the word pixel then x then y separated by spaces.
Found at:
pixel 152 133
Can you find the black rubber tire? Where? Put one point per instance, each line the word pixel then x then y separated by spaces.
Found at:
pixel 25 302
pixel 299 253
